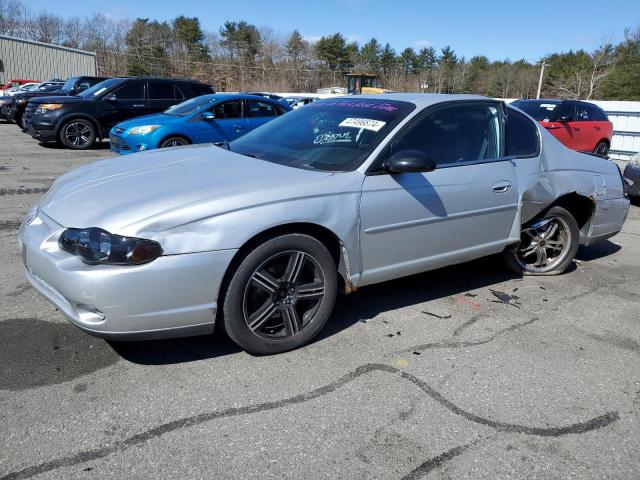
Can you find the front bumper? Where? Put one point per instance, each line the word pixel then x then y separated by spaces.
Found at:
pixel 5 112
pixel 39 133
pixel 126 144
pixel 632 180
pixel 172 296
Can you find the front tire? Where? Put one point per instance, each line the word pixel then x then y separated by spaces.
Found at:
pixel 174 142
pixel 281 295
pixel 78 134
pixel 547 245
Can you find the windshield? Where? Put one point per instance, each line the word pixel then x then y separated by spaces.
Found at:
pixel 99 88
pixel 68 85
pixel 542 111
pixel 190 106
pixel 330 135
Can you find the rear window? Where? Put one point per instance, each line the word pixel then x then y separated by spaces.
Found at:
pixel 543 111
pixel 195 89
pixel 521 135
pixel 258 108
pixel 599 115
pixel 161 91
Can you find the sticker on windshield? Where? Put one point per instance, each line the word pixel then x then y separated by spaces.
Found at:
pixel 548 106
pixel 366 123
pixel 333 138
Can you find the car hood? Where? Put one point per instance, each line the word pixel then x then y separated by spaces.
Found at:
pixel 154 119
pixel 58 99
pixel 159 190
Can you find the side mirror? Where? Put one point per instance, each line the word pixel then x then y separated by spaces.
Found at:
pixel 110 97
pixel 410 161
pixel 565 119
pixel 208 116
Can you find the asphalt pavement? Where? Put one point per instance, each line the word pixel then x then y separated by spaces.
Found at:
pixel 464 372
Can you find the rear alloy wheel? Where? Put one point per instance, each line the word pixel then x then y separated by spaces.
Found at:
pixel 78 134
pixel 547 246
pixel 602 149
pixel 174 142
pixel 281 295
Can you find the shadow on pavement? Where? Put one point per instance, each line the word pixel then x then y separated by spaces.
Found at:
pixel 58 146
pixel 176 350
pixel 36 352
pixel 597 250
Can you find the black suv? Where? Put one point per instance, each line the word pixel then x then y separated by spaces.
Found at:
pixel 77 122
pixel 73 86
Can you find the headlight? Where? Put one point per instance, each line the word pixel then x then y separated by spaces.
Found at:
pixel 97 246
pixel 635 160
pixel 50 106
pixel 142 130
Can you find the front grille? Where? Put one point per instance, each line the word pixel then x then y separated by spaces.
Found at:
pixel 118 144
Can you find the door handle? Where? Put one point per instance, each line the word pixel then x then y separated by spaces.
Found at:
pixel 501 187
pixel 139 105
pixel 238 127
pixel 552 127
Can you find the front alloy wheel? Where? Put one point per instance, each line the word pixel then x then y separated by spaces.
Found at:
pixel 281 295
pixel 78 134
pixel 547 246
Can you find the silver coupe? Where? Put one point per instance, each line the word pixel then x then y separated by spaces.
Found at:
pixel 260 234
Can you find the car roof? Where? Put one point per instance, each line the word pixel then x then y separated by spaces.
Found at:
pixel 168 79
pixel 539 100
pixel 418 99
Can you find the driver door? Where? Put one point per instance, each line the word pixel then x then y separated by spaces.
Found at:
pixel 412 222
pixel 129 101
pixel 227 125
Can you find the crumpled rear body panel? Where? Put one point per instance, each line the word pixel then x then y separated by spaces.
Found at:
pixel 559 172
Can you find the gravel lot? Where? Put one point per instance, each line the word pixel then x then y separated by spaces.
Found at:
pixel 465 372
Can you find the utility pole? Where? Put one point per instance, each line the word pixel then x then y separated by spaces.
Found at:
pixel 544 64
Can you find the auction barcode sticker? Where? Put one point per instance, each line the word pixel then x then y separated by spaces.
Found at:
pixel 366 123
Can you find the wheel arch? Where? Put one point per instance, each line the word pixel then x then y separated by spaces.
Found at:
pixel 580 206
pixel 83 116
pixel 179 135
pixel 321 233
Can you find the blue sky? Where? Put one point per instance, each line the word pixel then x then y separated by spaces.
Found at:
pixel 498 29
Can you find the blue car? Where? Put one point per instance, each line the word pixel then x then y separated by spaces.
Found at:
pixel 208 118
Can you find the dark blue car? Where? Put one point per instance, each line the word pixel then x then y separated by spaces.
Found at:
pixel 217 117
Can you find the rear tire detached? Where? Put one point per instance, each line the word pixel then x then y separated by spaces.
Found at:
pixel 281 295
pixel 548 244
pixel 78 134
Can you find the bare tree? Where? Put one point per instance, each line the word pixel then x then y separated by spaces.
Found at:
pixel 603 63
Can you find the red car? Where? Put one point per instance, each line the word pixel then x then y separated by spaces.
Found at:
pixel 14 83
pixel 580 126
